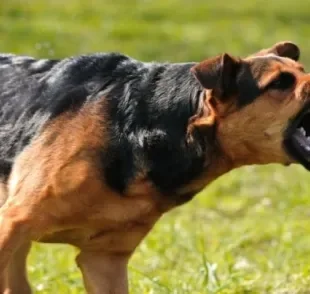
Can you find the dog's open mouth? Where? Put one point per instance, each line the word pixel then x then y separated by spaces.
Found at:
pixel 297 139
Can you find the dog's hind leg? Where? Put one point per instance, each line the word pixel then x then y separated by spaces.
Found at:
pixel 14 277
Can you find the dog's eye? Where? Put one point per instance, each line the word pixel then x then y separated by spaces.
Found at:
pixel 284 81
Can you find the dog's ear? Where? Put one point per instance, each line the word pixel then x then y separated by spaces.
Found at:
pixel 283 49
pixel 218 74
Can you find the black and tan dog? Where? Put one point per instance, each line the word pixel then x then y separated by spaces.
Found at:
pixel 94 149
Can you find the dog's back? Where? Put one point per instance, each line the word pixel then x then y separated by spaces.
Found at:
pixel 33 91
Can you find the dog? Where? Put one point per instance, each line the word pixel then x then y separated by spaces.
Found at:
pixel 96 148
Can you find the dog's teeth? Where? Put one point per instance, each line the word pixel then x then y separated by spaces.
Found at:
pixel 302 130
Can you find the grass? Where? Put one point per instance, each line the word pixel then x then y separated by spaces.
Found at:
pixel 249 232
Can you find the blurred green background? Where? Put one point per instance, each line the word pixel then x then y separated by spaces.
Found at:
pixel 249 232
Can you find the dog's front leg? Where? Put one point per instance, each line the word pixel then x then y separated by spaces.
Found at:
pixel 104 273
pixel 14 278
pixel 17 281
pixel 14 232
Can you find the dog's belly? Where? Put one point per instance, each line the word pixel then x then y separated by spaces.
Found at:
pixel 123 238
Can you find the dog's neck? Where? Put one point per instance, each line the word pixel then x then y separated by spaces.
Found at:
pixel 219 165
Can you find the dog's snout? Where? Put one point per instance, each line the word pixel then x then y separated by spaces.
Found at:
pixel 303 90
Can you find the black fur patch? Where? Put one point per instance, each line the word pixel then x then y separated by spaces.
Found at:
pixel 149 106
pixel 149 112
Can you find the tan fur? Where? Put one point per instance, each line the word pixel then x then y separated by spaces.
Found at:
pixel 204 119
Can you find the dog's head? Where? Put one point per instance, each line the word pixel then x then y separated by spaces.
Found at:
pixel 259 106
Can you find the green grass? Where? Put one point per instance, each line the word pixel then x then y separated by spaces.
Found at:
pixel 249 232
